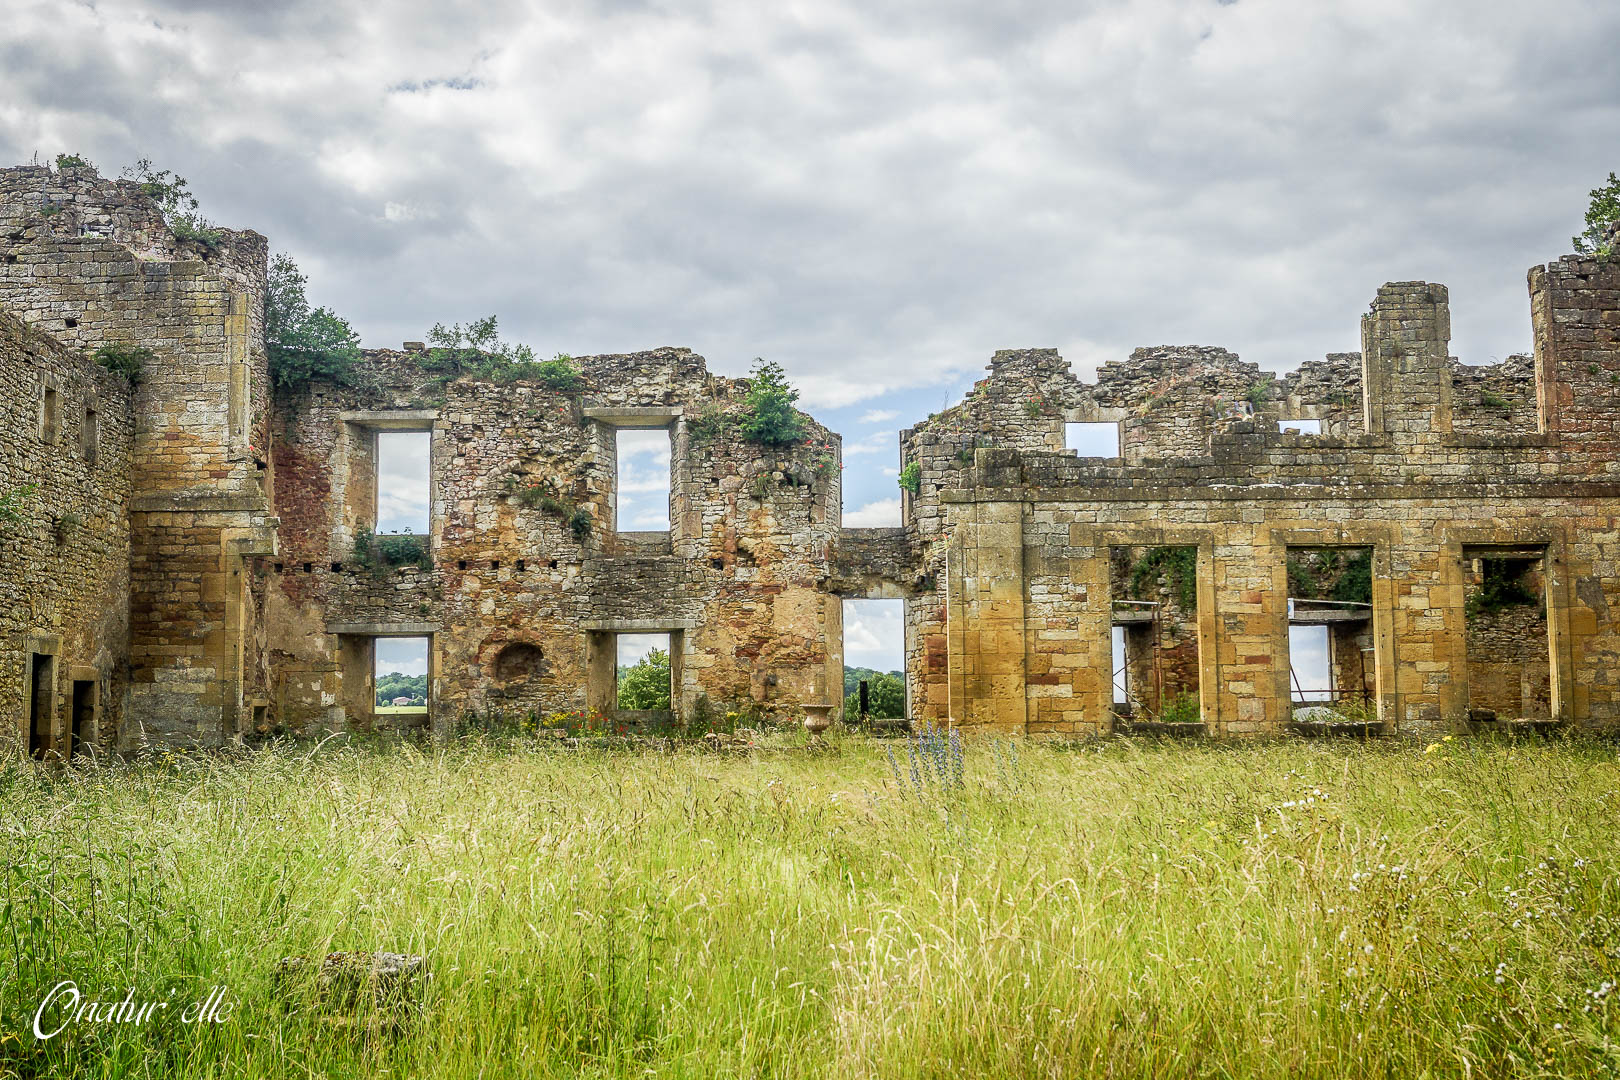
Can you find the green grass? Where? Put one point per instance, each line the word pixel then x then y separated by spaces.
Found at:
pixel 400 710
pixel 1293 909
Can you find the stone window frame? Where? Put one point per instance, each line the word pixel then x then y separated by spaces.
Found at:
pixel 1094 414
pixel 1553 541
pixel 90 430
pixel 367 424
pixel 1380 538
pixel 82 673
pixel 602 659
pixel 50 408
pixel 357 642
pixel 607 420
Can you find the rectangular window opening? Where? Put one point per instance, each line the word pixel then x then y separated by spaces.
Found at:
pixel 1121 667
pixel 1154 636
pixel 1331 675
pixel 1301 427
pixel 642 493
pixel 50 419
pixel 400 680
pixel 875 654
pixel 82 730
pixel 89 435
pixel 402 481
pixel 1092 439
pixel 1509 650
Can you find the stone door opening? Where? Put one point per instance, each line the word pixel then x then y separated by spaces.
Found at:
pixel 634 677
pixel 42 669
pixel 1507 640
pixel 875 653
pixel 1331 676
pixel 1154 633
pixel 400 681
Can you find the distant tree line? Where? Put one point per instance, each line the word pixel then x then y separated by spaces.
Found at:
pixel 886 693
pixel 394 685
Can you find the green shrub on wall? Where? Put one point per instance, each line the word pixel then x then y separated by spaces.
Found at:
pixel 304 345
pixel 127 360
pixel 768 414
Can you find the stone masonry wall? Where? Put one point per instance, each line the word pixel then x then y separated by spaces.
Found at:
pixel 90 261
pixel 64 560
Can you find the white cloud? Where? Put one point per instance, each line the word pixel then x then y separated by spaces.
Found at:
pixel 878 416
pixel 877 196
pixel 883 442
pixel 875 634
pixel 874 515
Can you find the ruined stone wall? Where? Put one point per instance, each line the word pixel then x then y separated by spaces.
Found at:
pixel 1413 483
pixel 90 261
pixel 64 559
pixel 529 577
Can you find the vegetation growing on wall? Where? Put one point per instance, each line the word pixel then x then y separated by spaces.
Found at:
pixel 173 195
pixel 645 684
pixel 13 501
pixel 1503 584
pixel 304 345
pixel 1331 574
pixel 127 360
pixel 911 477
pixel 73 161
pixel 768 414
pixel 1602 215
pixel 544 495
pixel 477 350
pixel 381 552
pixel 1178 565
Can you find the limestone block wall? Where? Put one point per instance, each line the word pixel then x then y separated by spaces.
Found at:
pixel 64 561
pixel 1426 493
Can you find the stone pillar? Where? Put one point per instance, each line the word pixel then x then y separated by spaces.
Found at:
pixel 985 616
pixel 1406 376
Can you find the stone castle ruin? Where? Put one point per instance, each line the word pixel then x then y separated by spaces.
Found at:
pixel 188 557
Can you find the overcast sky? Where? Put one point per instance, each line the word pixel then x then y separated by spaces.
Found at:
pixel 877 195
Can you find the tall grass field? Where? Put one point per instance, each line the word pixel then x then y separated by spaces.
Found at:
pixel 866 909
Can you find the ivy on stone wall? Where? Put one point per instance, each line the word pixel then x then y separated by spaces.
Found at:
pixel 13 501
pixel 1179 565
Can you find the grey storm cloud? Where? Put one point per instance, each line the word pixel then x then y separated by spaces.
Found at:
pixel 877 196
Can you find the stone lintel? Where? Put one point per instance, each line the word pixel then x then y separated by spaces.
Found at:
pixel 182 502
pixel 407 628
pixel 391 419
pixel 634 416
pixel 641 626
